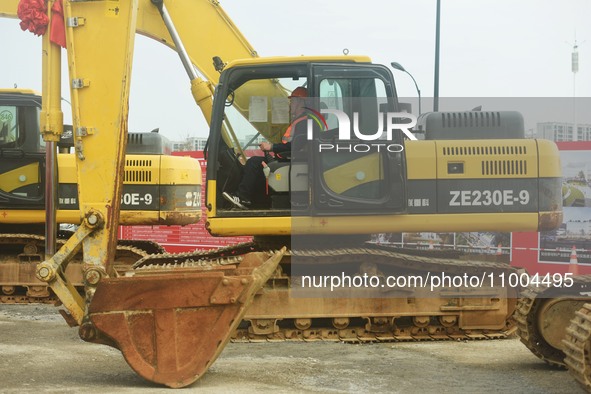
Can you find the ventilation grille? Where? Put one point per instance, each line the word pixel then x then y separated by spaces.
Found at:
pixel 471 119
pixel 135 138
pixel 139 175
pixel 504 167
pixel 138 163
pixel 484 150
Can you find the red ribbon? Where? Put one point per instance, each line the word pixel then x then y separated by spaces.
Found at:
pixel 33 16
pixel 57 33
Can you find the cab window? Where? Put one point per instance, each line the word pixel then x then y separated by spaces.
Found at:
pixel 258 111
pixel 9 130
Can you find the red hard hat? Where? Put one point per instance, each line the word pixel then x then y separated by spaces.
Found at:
pixel 300 91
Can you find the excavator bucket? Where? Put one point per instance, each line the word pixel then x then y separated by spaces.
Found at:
pixel 171 324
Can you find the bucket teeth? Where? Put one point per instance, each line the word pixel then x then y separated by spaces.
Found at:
pixel 161 263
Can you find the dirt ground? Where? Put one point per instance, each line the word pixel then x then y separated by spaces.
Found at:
pixel 39 353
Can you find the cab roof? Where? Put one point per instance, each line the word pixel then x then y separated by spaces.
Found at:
pixel 258 61
pixel 30 92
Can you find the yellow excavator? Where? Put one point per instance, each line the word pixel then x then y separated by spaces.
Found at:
pixel 309 274
pixel 554 323
pixel 158 189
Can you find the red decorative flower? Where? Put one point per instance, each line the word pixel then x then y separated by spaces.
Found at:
pixel 33 16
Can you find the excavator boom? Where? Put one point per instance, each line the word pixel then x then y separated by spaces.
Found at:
pixel 141 315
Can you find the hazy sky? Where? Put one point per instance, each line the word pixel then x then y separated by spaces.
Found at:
pixel 489 48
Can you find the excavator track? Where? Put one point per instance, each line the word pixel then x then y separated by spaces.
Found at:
pixel 22 253
pixel 351 328
pixel 577 347
pixel 525 317
pixel 542 316
pixel 272 317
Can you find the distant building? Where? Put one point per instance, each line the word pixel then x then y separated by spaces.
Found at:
pixel 191 143
pixel 198 143
pixel 561 131
pixel 253 140
pixel 580 229
pixel 530 133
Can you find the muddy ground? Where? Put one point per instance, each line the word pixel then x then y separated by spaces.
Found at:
pixel 39 353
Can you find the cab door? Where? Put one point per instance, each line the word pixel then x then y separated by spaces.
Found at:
pixel 356 167
pixel 22 159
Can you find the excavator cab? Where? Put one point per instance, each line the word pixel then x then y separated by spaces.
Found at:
pixel 158 187
pixel 358 161
pixel 359 174
pixel 22 152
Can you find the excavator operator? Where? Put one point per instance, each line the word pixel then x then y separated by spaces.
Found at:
pixel 7 130
pixel 252 184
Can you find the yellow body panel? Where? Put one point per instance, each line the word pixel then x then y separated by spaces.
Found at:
pixel 210 198
pixel 67 168
pixel 20 177
pixel 179 170
pixel 488 158
pixel 129 218
pixel 426 161
pixel 370 224
pixel 163 170
pixel 549 158
pixel 421 160
pixel 8 8
pixel 430 159
pixel 368 168
pixel 20 91
pixel 22 216
pixel 294 59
